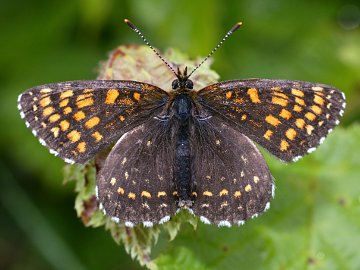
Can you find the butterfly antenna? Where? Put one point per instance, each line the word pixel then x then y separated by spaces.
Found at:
pixel 228 34
pixel 133 27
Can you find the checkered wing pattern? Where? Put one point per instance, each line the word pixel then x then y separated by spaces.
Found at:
pixel 288 118
pixel 234 183
pixel 77 119
pixel 135 183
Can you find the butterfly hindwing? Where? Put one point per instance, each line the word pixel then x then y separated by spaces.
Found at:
pixel 288 118
pixel 135 183
pixel 232 180
pixel 79 118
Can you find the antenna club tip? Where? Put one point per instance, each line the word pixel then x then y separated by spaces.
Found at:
pixel 130 24
pixel 235 27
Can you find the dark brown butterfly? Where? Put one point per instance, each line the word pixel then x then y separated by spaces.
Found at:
pixel 183 148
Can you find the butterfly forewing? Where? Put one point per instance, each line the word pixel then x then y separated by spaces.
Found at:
pixel 233 181
pixel 288 118
pixel 135 183
pixel 77 119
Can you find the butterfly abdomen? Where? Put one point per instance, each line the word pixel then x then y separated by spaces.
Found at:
pixel 182 168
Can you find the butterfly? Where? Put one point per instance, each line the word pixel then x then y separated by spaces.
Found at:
pixel 182 148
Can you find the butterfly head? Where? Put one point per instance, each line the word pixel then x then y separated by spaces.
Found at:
pixel 182 81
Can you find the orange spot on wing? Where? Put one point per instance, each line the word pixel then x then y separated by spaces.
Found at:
pixel 268 134
pixel 290 134
pixel 81 147
pixel 74 136
pixel 297 92
pixel 48 110
pixel 111 96
pixel 300 123
pixel 280 99
pixel 272 120
pixel 55 117
pixel 45 101
pixel 310 116
pixel 84 102
pixel 66 94
pixel 254 96
pixel 80 115
pixel 284 145
pixel 97 136
pixel 285 114
pixel 136 96
pixel 64 102
pixel 92 122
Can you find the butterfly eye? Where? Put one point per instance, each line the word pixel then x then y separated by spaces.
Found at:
pixel 189 84
pixel 175 84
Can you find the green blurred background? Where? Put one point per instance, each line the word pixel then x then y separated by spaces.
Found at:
pixel 49 41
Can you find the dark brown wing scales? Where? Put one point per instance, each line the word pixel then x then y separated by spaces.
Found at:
pixel 79 118
pixel 288 118
pixel 135 184
pixel 233 182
